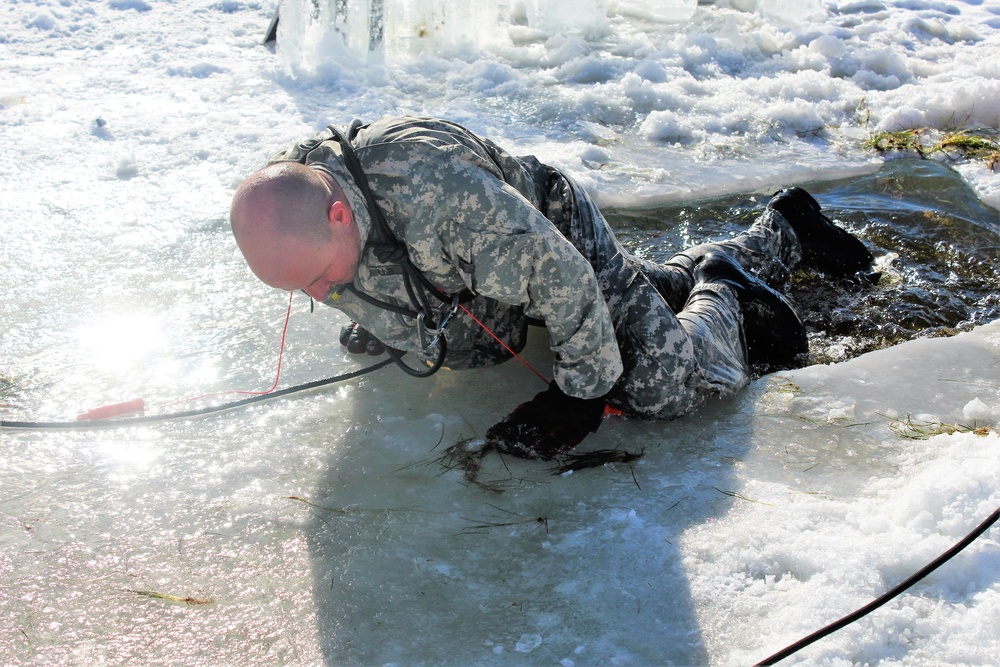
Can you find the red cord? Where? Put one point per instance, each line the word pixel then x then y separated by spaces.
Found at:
pixel 608 410
pixel 505 346
pixel 281 354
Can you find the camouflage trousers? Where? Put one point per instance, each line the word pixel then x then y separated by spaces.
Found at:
pixel 681 341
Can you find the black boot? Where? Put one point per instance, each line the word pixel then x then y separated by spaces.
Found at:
pixel 825 246
pixel 774 333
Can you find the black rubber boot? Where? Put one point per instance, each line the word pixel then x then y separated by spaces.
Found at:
pixel 774 334
pixel 825 246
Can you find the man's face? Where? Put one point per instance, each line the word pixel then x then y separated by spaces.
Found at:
pixel 287 254
pixel 316 269
pixel 292 263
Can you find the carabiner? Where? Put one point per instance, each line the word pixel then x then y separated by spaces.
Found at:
pixel 423 331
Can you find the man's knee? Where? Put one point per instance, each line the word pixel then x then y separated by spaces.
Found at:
pixel 661 376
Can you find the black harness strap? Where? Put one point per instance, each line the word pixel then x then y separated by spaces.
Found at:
pixel 388 249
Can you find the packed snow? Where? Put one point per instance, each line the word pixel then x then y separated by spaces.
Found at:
pixel 326 528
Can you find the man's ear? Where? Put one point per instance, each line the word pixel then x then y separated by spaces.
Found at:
pixel 340 214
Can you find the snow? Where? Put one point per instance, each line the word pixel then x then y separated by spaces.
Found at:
pixel 319 528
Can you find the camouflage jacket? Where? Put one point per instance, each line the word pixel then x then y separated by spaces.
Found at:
pixel 468 214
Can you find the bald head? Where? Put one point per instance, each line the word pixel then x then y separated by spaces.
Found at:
pixel 283 198
pixel 287 219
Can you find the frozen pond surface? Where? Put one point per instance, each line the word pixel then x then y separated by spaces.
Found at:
pixel 323 528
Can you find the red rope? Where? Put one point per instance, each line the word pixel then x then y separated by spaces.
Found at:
pixel 505 346
pixel 281 354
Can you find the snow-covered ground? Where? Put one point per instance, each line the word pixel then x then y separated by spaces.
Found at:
pixel 321 529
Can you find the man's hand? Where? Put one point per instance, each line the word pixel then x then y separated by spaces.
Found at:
pixel 357 340
pixel 549 424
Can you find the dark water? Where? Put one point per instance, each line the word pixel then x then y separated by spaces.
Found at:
pixel 937 246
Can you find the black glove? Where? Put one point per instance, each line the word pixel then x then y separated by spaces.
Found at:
pixel 357 340
pixel 549 424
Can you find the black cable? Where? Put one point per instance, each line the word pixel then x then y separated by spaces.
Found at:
pixel 132 421
pixel 878 602
pixel 425 372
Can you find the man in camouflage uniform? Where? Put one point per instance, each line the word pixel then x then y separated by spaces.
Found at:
pixel 430 215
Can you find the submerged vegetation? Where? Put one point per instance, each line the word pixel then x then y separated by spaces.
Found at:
pixel 469 456
pixel 572 462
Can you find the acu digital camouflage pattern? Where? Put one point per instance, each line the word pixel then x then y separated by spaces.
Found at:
pixel 531 244
pixel 681 342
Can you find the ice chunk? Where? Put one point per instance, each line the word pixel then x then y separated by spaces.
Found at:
pixel 528 643
pixel 792 11
pixel 565 17
pixel 675 11
pixel 352 32
pixel 412 26
pixel 977 411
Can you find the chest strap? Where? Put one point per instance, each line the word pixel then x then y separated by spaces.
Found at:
pixel 390 250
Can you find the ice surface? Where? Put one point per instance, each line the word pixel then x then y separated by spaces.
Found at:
pixel 745 96
pixel 320 529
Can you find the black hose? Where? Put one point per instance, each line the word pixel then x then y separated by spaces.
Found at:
pixel 878 602
pixel 425 372
pixel 132 421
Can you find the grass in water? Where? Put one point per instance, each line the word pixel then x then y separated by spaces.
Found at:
pixel 782 385
pixel 512 519
pixel 971 146
pixel 967 144
pixel 467 456
pixel 902 140
pixel 923 430
pixel 572 462
pixel 174 599
pixel 733 494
